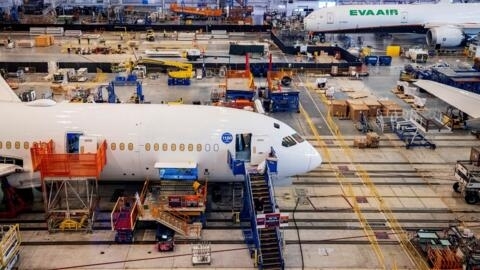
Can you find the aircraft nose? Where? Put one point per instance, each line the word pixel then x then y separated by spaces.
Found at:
pixel 314 158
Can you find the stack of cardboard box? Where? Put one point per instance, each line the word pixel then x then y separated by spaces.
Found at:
pixel 372 140
pixel 360 142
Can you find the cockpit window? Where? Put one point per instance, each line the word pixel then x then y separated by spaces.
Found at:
pixel 288 141
pixel 298 138
pixel 276 125
pixel 292 140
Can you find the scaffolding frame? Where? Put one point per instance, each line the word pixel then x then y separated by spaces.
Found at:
pixel 69 185
pixel 70 203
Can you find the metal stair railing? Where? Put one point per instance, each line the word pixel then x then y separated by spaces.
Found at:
pixel 252 214
pixel 274 206
pixel 172 219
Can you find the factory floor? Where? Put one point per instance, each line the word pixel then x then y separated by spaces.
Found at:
pixel 333 211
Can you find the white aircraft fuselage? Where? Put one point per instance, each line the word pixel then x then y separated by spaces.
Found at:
pixel 139 136
pixel 447 24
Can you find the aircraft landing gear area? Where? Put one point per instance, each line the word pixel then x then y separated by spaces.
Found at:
pixel 14 202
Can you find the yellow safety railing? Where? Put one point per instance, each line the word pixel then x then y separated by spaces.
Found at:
pixel 347 189
pixel 10 244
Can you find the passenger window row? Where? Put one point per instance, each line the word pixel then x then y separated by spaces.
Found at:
pixel 168 147
pixel 122 146
pixel 17 145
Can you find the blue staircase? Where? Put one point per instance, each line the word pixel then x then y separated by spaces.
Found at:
pixel 263 240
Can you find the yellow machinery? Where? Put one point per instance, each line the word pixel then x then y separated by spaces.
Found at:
pixel 176 102
pixel 182 70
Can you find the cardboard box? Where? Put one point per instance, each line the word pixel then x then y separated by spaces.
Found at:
pixel 373 140
pixel 360 141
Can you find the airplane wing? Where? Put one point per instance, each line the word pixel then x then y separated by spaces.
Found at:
pixel 467 102
pixel 6 93
pixel 7 169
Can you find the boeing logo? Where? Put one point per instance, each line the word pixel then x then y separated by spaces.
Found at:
pixel 227 137
pixel 373 12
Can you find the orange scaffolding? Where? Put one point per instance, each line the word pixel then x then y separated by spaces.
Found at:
pixel 67 165
pixel 207 12
pixel 242 78
pixel 69 184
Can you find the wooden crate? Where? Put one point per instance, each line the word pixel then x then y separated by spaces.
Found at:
pixel 356 109
pixel 43 41
pixel 389 107
pixel 338 108
pixel 373 106
pixel 392 109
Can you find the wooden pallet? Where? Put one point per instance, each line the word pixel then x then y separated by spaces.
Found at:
pixel 358 94
pixel 418 108
pixel 396 91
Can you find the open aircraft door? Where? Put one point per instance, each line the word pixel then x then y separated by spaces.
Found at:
pixel 260 148
pixel 404 17
pixel 330 18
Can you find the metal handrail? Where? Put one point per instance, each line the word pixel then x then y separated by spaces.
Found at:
pixel 274 205
pixel 253 219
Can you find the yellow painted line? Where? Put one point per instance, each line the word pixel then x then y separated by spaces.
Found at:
pixel 346 188
pixel 404 241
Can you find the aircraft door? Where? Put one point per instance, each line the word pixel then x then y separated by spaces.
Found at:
pixel 260 148
pixel 243 146
pixel 404 17
pixel 330 18
pixel 72 142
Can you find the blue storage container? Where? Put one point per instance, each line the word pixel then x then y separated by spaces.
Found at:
pixel 385 60
pixel 371 60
